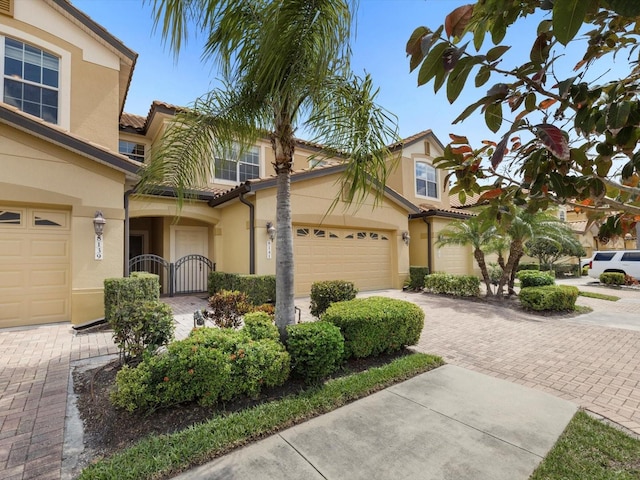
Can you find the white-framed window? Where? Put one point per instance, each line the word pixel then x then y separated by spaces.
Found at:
pixel 426 180
pixel 238 170
pixel 30 79
pixel 133 150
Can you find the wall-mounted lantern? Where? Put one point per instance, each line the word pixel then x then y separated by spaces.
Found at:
pixel 98 227
pixel 406 238
pixel 271 231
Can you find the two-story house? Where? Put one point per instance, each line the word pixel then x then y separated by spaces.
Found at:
pixel 70 158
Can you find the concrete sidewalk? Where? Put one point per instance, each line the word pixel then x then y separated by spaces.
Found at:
pixel 450 423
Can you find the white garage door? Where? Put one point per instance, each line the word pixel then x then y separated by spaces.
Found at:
pixel 360 256
pixel 34 266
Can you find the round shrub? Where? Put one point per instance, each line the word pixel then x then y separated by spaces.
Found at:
pixel 549 298
pixel 140 327
pixel 375 325
pixel 259 325
pixel 210 365
pixel 534 278
pixel 316 349
pixel 612 278
pixel 324 294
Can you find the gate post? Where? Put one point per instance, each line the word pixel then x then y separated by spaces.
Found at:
pixel 172 275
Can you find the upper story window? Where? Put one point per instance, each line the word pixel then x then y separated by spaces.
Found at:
pixel 236 169
pixel 135 151
pixel 30 80
pixel 426 180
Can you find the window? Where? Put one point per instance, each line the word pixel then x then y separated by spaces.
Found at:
pixel 238 170
pixel 631 257
pixel 8 217
pixel 426 180
pixel 135 151
pixel 30 80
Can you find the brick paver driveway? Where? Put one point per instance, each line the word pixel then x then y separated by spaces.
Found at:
pixel 598 367
pixel 595 366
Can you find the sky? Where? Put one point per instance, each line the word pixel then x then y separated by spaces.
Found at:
pixel 382 30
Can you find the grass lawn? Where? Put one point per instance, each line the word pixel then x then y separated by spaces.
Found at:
pixel 591 450
pixel 163 456
pixel 600 296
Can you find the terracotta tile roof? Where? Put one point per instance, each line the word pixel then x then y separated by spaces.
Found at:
pixel 579 226
pixel 471 201
pixel 415 137
pixel 427 207
pixel 136 122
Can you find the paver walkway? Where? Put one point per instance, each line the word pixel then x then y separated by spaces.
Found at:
pixel 594 366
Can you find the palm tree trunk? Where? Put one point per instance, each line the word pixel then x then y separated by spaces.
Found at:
pixel 512 277
pixel 479 256
pixel 515 253
pixel 285 307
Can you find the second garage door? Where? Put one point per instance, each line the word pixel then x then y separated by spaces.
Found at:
pixel 360 256
pixel 34 266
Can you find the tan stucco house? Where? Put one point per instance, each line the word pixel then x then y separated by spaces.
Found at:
pixel 69 154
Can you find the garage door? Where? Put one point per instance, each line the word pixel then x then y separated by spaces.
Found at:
pixel 34 266
pixel 360 256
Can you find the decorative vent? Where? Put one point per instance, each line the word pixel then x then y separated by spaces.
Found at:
pixel 6 7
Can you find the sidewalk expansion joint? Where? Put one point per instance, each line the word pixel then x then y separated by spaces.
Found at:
pixel 302 455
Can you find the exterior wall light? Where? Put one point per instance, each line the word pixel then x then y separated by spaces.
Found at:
pixel 271 231
pixel 406 238
pixel 98 223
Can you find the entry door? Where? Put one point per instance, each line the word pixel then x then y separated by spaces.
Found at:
pixel 189 241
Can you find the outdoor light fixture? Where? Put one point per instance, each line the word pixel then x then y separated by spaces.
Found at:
pixel 406 238
pixel 98 222
pixel 271 231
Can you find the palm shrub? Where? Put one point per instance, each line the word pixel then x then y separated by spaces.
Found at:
pixel 316 349
pixel 376 325
pixel 325 293
pixel 549 298
pixel 534 278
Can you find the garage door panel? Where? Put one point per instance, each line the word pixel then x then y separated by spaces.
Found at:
pixel 35 276
pixel 362 257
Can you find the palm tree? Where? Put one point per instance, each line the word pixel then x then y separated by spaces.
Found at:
pixel 472 232
pixel 284 65
pixel 527 226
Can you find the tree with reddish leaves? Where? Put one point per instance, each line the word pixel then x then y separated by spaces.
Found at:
pixel 573 137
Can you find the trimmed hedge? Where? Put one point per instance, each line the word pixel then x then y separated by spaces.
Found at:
pixel 210 365
pixel 376 325
pixel 458 285
pixel 139 287
pixel 416 277
pixel 528 266
pixel 258 288
pixel 549 297
pixel 534 278
pixel 260 326
pixel 316 349
pixel 612 278
pixel 325 293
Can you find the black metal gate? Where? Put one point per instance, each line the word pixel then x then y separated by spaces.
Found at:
pixel 188 274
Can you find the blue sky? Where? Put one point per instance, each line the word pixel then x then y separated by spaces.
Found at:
pixel 383 27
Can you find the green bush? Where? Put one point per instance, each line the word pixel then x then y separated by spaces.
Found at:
pixel 612 278
pixel 258 288
pixel 210 365
pixel 528 266
pixel 533 278
pixel 139 287
pixel 227 308
pixel 549 297
pixel 142 327
pixel 316 349
pixel 259 325
pixel 416 277
pixel 325 293
pixel 458 285
pixel 375 325
pixel 566 269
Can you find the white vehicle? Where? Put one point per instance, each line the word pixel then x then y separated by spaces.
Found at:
pixel 620 261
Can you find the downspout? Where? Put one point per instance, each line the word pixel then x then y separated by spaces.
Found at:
pixel 429 249
pixel 252 240
pixel 126 231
